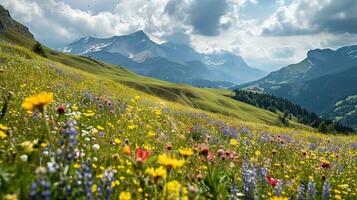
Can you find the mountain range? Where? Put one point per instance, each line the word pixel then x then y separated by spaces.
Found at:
pixel 169 61
pixel 324 82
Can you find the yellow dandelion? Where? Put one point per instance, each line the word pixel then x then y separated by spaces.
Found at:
pixel 38 101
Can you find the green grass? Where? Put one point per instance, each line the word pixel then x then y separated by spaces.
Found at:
pixel 292 156
pixel 213 100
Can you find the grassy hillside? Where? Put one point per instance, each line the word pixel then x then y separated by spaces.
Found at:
pixel 100 139
pixel 207 99
pixel 317 83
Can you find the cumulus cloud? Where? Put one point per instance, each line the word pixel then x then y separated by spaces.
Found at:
pixel 207 25
pixel 205 16
pixel 176 20
pixel 312 16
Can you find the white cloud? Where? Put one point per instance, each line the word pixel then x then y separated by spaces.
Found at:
pixel 292 29
pixel 312 16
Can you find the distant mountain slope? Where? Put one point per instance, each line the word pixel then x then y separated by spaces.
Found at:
pixel 7 24
pixel 168 61
pixel 318 82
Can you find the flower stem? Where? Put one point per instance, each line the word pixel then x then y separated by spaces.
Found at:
pixel 48 133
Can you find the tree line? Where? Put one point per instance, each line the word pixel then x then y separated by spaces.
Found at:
pixel 289 111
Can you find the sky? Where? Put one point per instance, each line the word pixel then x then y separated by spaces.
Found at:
pixel 268 34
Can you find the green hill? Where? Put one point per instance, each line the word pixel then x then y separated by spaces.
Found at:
pixel 207 99
pixel 317 83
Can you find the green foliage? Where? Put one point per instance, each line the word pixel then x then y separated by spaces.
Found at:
pixel 289 109
pixel 322 128
pixel 38 49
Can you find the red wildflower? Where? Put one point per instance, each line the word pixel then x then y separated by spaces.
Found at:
pixel 168 146
pixel 272 181
pixel 61 109
pixel 211 156
pixel 204 149
pixel 141 155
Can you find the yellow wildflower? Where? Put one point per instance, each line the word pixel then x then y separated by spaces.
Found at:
pixel 170 162
pixel 27 146
pixel 44 144
pixel 38 101
pixel 75 108
pixel 151 134
pixel 117 141
pixel 4 128
pixel 10 197
pixel 77 117
pixel 258 153
pixel 157 112
pixel 94 188
pixel 278 198
pixel 2 135
pixel 127 150
pixel 89 113
pixel 233 142
pixel 156 173
pixel 174 190
pixel 76 165
pixel 124 196
pixel 100 128
pixel 131 127
pixel 186 152
pixel 336 191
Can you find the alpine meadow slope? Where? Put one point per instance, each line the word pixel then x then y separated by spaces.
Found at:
pixel 75 128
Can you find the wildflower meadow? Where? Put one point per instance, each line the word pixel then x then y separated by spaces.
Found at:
pixel 68 134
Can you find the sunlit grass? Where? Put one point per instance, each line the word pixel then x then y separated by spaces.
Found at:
pixel 113 141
